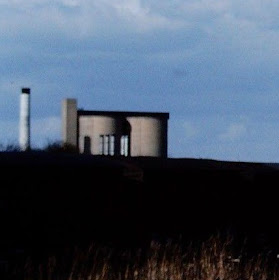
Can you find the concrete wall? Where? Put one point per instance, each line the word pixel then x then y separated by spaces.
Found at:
pixel 93 127
pixel 148 135
pixel 69 122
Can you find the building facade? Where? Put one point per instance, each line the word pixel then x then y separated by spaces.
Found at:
pixel 115 133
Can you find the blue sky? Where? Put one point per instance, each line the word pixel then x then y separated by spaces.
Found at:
pixel 212 64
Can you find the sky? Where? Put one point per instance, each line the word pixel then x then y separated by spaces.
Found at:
pixel 213 65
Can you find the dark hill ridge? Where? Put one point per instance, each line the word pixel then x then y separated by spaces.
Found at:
pixel 196 196
pixel 48 200
pixel 203 164
pixel 45 159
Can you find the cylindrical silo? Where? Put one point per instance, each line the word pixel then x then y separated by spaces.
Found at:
pixel 24 122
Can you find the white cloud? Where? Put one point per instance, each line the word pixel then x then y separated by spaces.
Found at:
pixel 46 126
pixel 89 17
pixel 234 132
pixel 81 18
pixel 45 130
pixel 204 7
pixel 9 132
pixel 143 17
pixel 189 129
pixel 23 4
pixel 71 3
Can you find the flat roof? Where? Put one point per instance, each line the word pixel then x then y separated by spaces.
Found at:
pixel 123 114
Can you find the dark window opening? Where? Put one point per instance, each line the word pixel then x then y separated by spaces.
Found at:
pixel 87 145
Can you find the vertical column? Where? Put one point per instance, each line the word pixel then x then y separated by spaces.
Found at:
pixel 69 122
pixel 24 122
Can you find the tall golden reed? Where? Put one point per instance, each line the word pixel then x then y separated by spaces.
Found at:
pixel 214 259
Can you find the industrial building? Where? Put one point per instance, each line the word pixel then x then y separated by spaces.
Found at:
pixel 115 133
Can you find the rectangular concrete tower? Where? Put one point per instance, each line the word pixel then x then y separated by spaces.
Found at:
pixel 69 122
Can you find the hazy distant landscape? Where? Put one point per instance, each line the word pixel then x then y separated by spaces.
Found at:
pixel 55 206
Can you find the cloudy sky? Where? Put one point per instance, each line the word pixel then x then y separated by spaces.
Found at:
pixel 212 64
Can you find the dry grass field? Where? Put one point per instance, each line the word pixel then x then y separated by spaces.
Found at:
pixel 216 258
pixel 69 216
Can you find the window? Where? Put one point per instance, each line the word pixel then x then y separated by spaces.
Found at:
pixel 124 145
pixel 111 145
pixel 107 145
pixel 101 145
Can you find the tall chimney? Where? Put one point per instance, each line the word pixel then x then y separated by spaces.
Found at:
pixel 24 122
